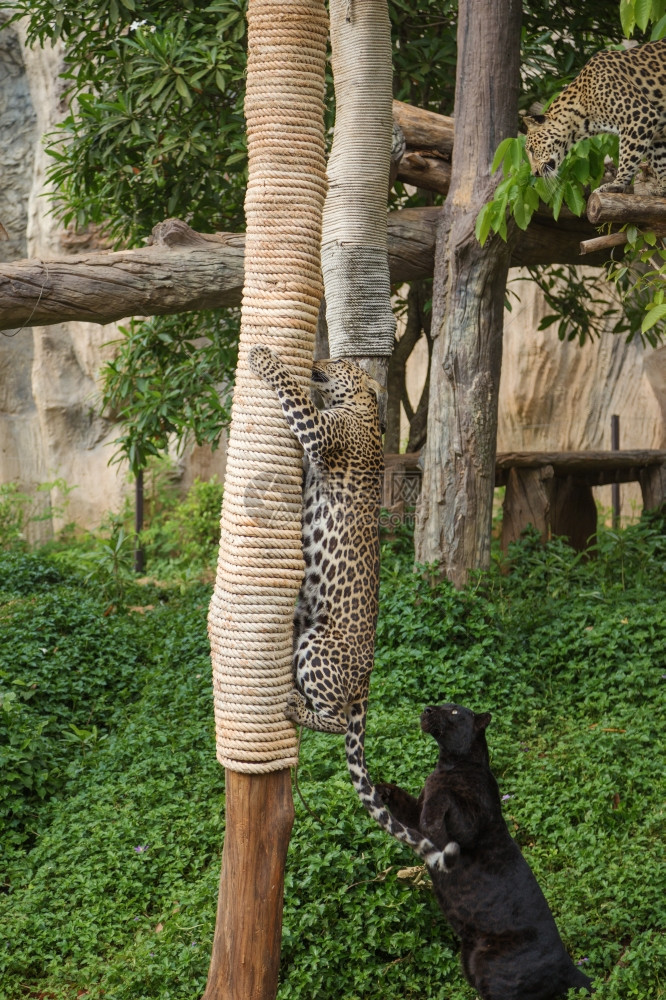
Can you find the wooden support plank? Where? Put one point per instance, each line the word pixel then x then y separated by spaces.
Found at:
pixel 527 501
pixel 653 487
pixel 573 513
pixel 246 949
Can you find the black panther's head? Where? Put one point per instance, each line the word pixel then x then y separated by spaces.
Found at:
pixel 458 730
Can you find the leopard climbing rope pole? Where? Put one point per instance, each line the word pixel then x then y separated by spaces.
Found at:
pixel 260 563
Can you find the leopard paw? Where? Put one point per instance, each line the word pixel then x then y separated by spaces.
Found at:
pixel 385 792
pixel 262 360
pixel 612 187
pixel 295 708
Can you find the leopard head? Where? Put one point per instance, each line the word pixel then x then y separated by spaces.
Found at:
pixel 459 732
pixel 341 383
pixel 546 144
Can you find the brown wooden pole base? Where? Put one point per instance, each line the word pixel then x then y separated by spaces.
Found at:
pixel 246 949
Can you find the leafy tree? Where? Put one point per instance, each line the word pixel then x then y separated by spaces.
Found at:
pixel 640 277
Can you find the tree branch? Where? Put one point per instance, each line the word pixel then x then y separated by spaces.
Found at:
pixel 181 270
pixel 206 271
pixel 640 210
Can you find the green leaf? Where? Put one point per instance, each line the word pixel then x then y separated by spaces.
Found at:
pixel 483 223
pixel 183 89
pixel 652 317
pixel 627 17
pixel 642 11
pixel 557 202
pixel 516 152
pixel 659 30
pixel 574 198
pixel 501 152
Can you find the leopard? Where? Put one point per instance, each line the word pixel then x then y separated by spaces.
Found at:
pixel 623 92
pixel 510 946
pixel 335 617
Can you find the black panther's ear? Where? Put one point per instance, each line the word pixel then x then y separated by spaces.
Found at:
pixel 482 720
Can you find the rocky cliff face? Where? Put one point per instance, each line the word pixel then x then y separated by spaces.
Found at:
pixel 552 395
pixel 50 425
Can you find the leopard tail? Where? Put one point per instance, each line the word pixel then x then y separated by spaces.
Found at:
pixel 355 746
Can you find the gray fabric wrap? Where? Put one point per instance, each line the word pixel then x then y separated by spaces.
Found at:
pixel 358 301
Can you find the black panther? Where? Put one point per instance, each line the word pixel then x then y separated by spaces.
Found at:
pixel 510 946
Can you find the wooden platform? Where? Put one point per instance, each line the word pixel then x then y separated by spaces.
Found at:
pixel 550 490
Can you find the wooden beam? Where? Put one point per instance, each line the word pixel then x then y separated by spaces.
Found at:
pixel 644 211
pixel 181 270
pixel 424 129
pixel 571 462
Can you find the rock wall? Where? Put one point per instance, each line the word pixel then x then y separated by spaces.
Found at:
pixel 50 425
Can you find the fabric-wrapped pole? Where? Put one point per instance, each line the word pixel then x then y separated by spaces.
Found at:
pixel 354 250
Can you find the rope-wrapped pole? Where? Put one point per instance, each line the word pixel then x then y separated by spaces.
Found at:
pixel 260 561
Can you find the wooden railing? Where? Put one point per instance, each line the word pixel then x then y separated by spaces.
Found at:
pixel 550 490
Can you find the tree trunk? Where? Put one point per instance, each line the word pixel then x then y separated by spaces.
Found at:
pixel 455 512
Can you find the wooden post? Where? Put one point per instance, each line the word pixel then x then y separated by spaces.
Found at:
pixel 527 500
pixel 653 487
pixel 260 560
pixel 139 553
pixel 615 488
pixel 246 950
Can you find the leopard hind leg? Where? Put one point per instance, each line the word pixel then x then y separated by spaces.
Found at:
pixel 319 699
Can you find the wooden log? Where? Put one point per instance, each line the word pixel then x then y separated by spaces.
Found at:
pixel 246 948
pixel 603 243
pixel 181 271
pixel 427 172
pixel 644 211
pixel 424 129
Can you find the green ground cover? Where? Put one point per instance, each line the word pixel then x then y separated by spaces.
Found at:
pixel 111 801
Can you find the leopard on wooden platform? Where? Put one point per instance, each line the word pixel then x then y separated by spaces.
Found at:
pixel 336 612
pixel 623 92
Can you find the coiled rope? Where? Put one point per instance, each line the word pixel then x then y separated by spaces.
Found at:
pixel 260 563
